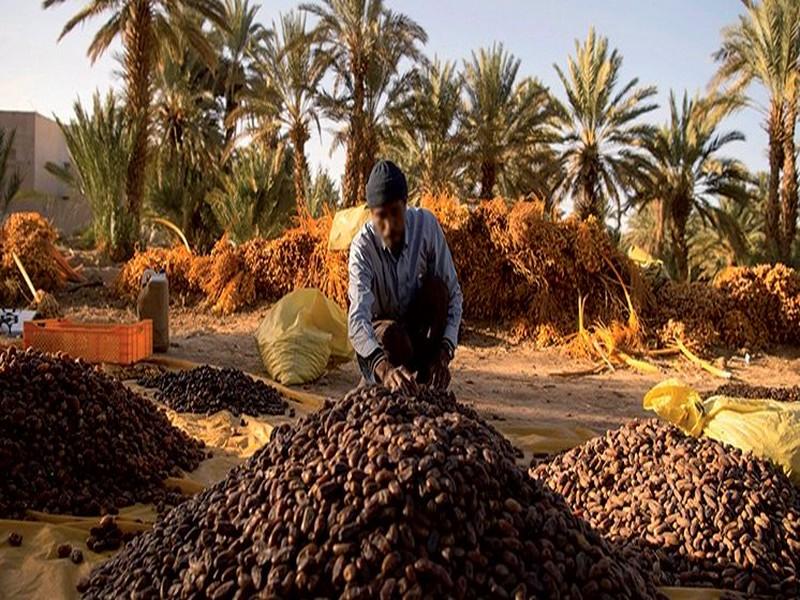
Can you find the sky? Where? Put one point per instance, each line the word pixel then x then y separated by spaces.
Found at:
pixel 667 43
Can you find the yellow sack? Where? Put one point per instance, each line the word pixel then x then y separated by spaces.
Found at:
pixel 300 334
pixel 768 428
pixel 642 257
pixel 345 226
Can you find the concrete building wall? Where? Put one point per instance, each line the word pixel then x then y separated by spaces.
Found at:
pixel 22 154
pixel 50 146
pixel 38 140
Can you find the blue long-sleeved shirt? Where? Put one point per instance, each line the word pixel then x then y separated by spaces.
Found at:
pixel 382 286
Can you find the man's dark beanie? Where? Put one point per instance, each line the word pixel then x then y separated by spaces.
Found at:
pixel 386 184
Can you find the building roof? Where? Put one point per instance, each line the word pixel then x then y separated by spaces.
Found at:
pixel 31 113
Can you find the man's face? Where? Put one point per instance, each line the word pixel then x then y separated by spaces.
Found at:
pixel 389 221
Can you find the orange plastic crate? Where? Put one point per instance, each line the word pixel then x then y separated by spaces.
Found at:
pixel 93 342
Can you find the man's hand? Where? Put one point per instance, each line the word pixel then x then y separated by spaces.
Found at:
pixel 440 370
pixel 396 379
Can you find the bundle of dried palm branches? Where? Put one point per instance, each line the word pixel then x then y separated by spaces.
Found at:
pixel 525 265
pixel 222 277
pixel 234 277
pixel 748 308
pixel 176 262
pixel 554 280
pixel 769 298
pixel 29 239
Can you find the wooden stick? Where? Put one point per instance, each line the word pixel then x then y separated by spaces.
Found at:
pixel 663 352
pixel 69 271
pixel 25 275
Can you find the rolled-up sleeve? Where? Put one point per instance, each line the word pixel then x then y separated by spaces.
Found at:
pixel 446 270
pixel 362 333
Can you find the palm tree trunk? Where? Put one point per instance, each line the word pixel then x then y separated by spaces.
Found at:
pixel 231 105
pixel 588 203
pixel 354 185
pixel 789 182
pixel 298 137
pixel 772 221
pixel 680 209
pixel 618 226
pixel 585 202
pixel 680 249
pixel 488 180
pixel 368 157
pixel 351 173
pixel 661 221
pixel 138 43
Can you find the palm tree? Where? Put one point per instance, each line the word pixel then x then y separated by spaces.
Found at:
pixel 685 174
pixel 711 248
pixel 764 47
pixel 10 180
pixel 99 143
pixel 188 145
pixel 423 134
pixel 506 122
pixel 322 194
pixel 365 44
pixel 285 95
pixel 254 196
pixel 147 29
pixel 736 243
pixel 601 130
pixel 237 45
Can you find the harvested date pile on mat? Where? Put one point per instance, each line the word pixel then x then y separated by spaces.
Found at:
pixel 107 536
pixel 133 372
pixel 75 441
pixel 207 390
pixel 743 390
pixel 373 496
pixel 690 510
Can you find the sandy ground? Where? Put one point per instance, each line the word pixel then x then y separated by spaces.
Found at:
pixel 504 381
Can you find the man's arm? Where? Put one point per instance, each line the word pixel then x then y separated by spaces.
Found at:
pixel 359 321
pixel 446 270
pixel 362 333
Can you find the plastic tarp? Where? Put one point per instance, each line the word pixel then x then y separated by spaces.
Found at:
pixel 643 258
pixel 300 335
pixel 544 439
pixel 768 428
pixel 33 571
pixel 345 226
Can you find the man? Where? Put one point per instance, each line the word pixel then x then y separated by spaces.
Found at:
pixel 405 301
